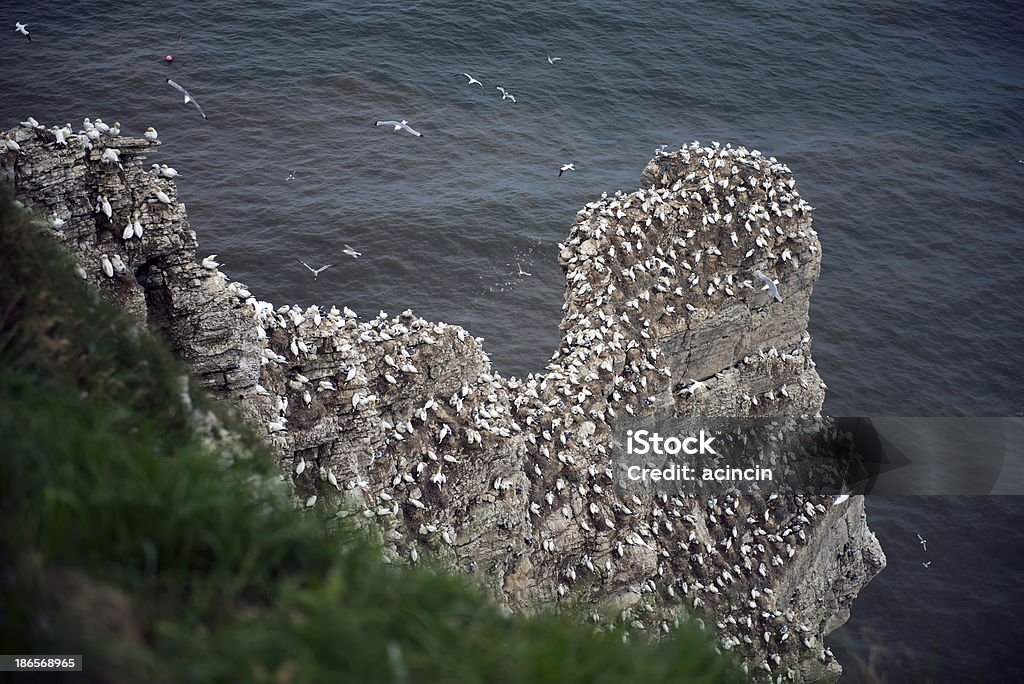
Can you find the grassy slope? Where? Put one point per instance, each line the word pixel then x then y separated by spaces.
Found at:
pixel 126 539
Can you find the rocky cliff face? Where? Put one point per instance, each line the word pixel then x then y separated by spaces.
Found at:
pixel 512 480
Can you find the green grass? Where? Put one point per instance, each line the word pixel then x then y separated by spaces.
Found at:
pixel 126 537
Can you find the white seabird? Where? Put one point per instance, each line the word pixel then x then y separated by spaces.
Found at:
pixel 769 285
pixel 151 135
pixel 11 145
pixel 118 263
pixel 210 262
pixel 552 60
pixel 188 97
pixel 108 267
pixel 31 122
pixel 472 80
pixel 110 156
pixel 566 167
pixel 923 542
pixel 351 252
pixel 60 136
pixel 399 125
pixel 164 170
pixel 22 29
pixel 521 271
pixel 505 95
pixel 105 207
pixel 162 196
pixel 314 271
pixel 844 494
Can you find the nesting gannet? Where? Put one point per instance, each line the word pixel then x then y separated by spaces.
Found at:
pixel 60 136
pixel 165 171
pixel 210 262
pixel 105 207
pixel 552 60
pixel 399 125
pixel 472 80
pixel 351 252
pixel 31 122
pixel 118 263
pixel 566 167
pixel 769 285
pixel 188 97
pixel 114 130
pixel 521 271
pixel 110 156
pixel 101 127
pixel 11 145
pixel 505 95
pixel 151 135
pixel 22 29
pixel 162 196
pixel 108 267
pixel 314 271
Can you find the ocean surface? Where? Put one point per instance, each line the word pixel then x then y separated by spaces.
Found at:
pixel 902 121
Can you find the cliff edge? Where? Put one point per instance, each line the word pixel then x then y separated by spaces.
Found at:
pixel 511 479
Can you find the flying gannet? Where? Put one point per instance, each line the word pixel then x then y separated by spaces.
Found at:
pixel 399 126
pixel 566 167
pixel 351 252
pixel 472 80
pixel 552 60
pixel 769 285
pixel 521 271
pixel 314 271
pixel 188 96
pixel 505 95
pixel 22 29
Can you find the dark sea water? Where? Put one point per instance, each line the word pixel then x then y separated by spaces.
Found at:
pixel 902 121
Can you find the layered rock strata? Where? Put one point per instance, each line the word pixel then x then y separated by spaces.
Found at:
pixel 510 479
